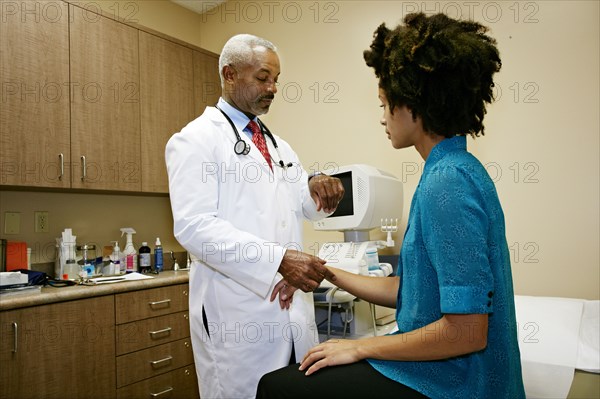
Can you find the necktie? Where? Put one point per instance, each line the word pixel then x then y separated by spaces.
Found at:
pixel 259 140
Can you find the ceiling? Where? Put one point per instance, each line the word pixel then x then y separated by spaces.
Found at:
pixel 199 6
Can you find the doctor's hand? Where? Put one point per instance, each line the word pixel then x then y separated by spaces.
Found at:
pixel 326 191
pixel 303 271
pixel 334 352
pixel 286 293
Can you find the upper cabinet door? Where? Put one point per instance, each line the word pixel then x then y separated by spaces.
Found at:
pixel 167 103
pixel 207 83
pixel 34 109
pixel 105 107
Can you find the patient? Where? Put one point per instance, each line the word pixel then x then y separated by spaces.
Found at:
pixel 453 291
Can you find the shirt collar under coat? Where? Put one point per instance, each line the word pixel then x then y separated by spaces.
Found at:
pixel 239 119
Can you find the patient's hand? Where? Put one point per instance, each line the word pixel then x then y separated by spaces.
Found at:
pixel 286 293
pixel 334 352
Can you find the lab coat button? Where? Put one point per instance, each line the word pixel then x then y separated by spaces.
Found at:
pixel 283 224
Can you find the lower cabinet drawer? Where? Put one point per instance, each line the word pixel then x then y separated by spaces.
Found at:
pixel 147 333
pixel 147 363
pixel 180 383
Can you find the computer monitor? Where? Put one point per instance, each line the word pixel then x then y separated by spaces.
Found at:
pixel 371 195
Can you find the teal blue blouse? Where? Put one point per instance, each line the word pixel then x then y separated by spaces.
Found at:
pixel 455 259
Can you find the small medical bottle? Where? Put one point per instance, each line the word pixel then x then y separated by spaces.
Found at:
pixel 145 263
pixel 158 256
pixel 372 258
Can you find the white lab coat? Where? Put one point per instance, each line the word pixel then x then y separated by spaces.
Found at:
pixel 237 217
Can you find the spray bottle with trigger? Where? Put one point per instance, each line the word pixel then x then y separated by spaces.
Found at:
pixel 129 251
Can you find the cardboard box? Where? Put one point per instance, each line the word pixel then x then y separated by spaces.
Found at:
pixel 16 255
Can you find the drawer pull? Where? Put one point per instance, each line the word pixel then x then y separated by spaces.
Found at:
pixel 83 168
pixel 157 303
pixel 158 363
pixel 61 158
pixel 16 328
pixel 159 332
pixel 156 395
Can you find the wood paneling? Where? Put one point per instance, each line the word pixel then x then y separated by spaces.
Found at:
pixel 105 108
pixel 34 107
pixel 167 103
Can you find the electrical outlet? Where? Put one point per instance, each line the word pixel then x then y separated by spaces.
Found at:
pixel 41 221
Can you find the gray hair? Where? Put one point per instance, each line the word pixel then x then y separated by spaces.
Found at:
pixel 239 50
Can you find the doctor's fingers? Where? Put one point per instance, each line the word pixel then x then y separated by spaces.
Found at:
pixel 330 191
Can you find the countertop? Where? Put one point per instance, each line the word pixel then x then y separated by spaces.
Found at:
pixel 62 294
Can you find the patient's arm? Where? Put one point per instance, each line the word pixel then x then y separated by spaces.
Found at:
pixel 452 335
pixel 378 290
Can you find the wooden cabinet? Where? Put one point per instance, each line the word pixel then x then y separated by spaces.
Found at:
pixel 34 110
pixel 89 102
pixel 105 109
pixel 129 345
pixel 167 103
pixel 207 83
pixel 154 349
pixel 180 383
pixel 63 350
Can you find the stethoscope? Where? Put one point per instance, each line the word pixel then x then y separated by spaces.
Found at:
pixel 242 148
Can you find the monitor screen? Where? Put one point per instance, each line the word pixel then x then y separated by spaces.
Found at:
pixel 346 205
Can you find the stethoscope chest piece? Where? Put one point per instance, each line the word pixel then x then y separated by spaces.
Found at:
pixel 241 147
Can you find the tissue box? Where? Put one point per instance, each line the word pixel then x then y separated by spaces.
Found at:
pixel 13 279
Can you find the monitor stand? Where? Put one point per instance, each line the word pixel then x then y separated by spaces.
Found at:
pixel 356 235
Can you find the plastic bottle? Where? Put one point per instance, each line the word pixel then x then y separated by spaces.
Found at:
pixel 145 263
pixel 115 259
pixel 158 256
pixel 129 251
pixel 372 258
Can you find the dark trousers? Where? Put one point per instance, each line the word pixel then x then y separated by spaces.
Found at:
pixel 357 380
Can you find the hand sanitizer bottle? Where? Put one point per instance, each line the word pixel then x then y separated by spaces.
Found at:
pixel 115 259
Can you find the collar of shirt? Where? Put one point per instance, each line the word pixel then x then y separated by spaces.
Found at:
pixel 239 119
pixel 442 148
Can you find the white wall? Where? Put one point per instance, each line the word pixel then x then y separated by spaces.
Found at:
pixel 542 135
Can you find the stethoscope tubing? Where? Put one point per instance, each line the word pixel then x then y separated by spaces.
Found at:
pixel 242 148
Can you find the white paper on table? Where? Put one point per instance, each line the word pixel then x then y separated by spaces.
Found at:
pixel 548 341
pixel 118 279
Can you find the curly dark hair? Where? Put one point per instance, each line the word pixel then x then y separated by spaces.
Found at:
pixel 438 67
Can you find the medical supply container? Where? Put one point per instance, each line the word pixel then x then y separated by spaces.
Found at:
pixel 145 262
pixel 158 256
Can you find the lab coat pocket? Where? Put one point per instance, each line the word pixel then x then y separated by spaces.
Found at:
pixel 244 318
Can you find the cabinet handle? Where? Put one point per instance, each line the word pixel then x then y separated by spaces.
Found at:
pixel 163 331
pixel 15 343
pixel 61 158
pixel 83 168
pixel 156 395
pixel 157 363
pixel 164 302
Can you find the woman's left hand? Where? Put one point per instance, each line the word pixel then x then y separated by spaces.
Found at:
pixel 331 353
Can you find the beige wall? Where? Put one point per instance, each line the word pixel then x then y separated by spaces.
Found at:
pixel 542 137
pixel 327 107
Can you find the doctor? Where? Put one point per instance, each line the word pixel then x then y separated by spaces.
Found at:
pixel 238 195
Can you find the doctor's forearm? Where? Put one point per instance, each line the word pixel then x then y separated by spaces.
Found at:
pixel 378 290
